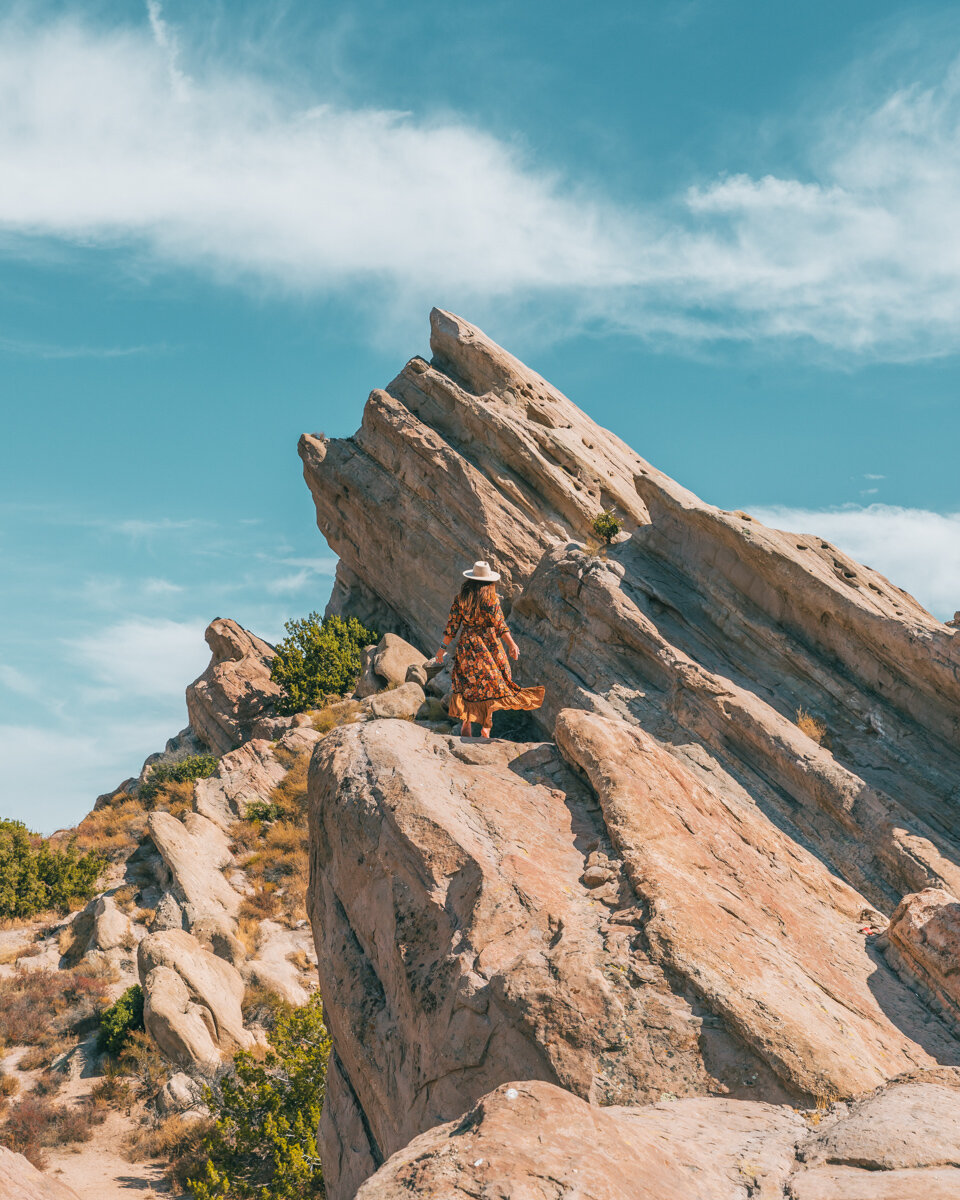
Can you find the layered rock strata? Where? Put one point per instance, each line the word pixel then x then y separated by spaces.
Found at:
pixel 235 691
pixel 680 899
pixel 703 626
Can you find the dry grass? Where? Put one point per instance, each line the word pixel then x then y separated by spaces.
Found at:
pixel 9 1085
pixel 144 1064
pixel 44 1054
pixel 812 726
pixel 38 1008
pixel 35 1123
pixel 145 916
pixel 113 1090
pixel 125 897
pixel 342 712
pixel 10 954
pixel 274 855
pixel 248 927
pixel 169 1138
pixel 114 830
pixel 261 1006
pixel 74 938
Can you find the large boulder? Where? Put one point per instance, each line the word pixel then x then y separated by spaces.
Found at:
pixel 482 914
pixel 400 703
pixel 192 999
pixel 111 927
pixel 195 851
pixel 534 1139
pixel 235 690
pixel 20 1180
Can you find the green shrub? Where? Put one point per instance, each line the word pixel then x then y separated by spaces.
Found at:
pixel 194 766
pixel 122 1018
pixel 264 1142
pixel 318 658
pixel 607 526
pixel 262 810
pixel 34 876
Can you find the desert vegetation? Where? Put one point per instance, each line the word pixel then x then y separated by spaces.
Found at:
pixel 184 770
pixel 318 658
pixel 812 726
pixel 263 1139
pixel 38 876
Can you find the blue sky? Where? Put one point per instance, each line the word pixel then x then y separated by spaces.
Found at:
pixel 729 232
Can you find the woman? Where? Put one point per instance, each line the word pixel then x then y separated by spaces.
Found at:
pixel 481 673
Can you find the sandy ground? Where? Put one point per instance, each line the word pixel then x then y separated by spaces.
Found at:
pixel 97 1170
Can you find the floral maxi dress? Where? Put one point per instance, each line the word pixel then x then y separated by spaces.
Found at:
pixel 482 682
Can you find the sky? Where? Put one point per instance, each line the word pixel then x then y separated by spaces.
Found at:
pixel 729 232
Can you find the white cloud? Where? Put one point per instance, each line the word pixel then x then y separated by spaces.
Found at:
pixel 915 549
pixel 106 140
pixel 139 657
pixel 52 774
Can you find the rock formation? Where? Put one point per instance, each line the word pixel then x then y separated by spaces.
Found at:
pixel 681 897
pixel 235 691
pixel 534 1139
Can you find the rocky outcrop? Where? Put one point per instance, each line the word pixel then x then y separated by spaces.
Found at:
pixel 681 898
pixel 195 851
pixel 923 941
pixel 899 1144
pixel 20 1180
pixel 192 1000
pixel 482 914
pixel 242 777
pixel 703 626
pixel 235 691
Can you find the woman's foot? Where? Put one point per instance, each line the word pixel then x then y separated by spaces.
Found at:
pixel 466 729
pixel 485 733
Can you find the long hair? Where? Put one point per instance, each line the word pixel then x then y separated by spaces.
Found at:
pixel 475 594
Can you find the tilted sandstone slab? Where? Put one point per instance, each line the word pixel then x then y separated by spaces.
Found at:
pixel 703 626
pixel 235 691
pixel 532 1139
pixel 477 911
pixel 924 941
pixel 20 1180
pixel 754 922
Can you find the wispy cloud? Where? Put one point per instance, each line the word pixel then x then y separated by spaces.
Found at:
pixel 29 349
pixel 107 141
pixel 916 549
pixel 141 657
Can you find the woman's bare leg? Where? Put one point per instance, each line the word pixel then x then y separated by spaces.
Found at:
pixel 466 729
pixel 485 731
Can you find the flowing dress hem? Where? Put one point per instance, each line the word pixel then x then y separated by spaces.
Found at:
pixel 481 711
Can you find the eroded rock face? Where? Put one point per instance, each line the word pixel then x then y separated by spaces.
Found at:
pixel 195 851
pixel 481 913
pixel 534 1139
pixel 235 691
pixel 192 1000
pixel 243 776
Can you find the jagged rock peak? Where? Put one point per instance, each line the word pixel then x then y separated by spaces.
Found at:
pixel 235 691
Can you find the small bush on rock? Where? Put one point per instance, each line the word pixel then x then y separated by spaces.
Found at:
pixel 184 770
pixel 318 658
pixel 264 1140
pixel 36 876
pixel 607 526
pixel 122 1018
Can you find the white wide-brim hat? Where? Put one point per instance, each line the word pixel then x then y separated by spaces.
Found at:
pixel 482 573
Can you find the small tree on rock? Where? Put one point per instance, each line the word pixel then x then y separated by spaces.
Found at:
pixel 318 658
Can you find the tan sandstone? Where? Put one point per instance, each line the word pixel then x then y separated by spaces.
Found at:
pixel 235 690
